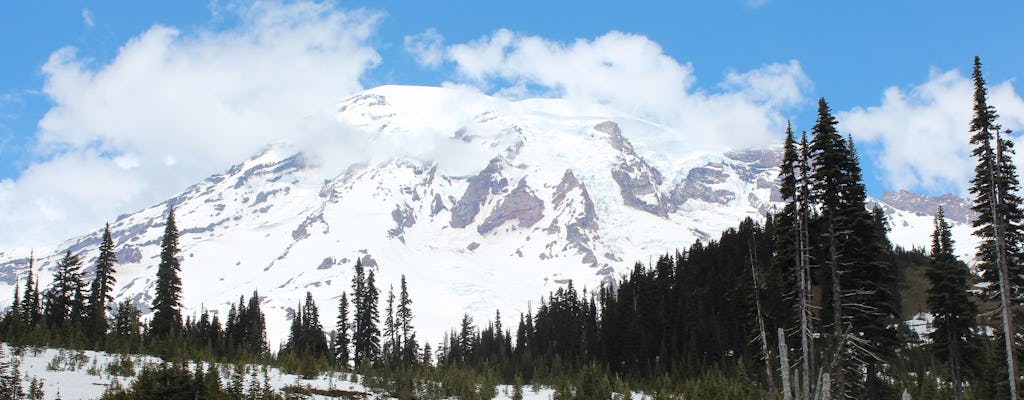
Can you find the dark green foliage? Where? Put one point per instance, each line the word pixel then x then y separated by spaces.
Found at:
pixel 31 305
pixel 101 287
pixel 999 218
pixel 171 381
pixel 953 340
pixel 366 332
pixel 342 340
pixel 307 338
pixel 167 302
pixel 64 301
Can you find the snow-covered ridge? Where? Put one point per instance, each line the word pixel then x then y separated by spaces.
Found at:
pixel 489 204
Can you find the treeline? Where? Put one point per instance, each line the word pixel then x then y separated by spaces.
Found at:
pixel 804 305
pixel 808 303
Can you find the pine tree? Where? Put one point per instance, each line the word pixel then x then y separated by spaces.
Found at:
pixel 999 216
pixel 342 339
pixel 102 286
pixel 950 305
pixel 62 301
pixel 167 303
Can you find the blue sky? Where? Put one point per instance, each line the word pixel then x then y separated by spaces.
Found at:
pixel 894 72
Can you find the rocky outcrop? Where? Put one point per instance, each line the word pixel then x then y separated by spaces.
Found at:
pixel 955 208
pixel 487 182
pixel 520 205
pixel 638 181
pixel 699 185
pixel 404 217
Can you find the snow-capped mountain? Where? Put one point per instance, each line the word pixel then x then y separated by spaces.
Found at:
pixel 482 203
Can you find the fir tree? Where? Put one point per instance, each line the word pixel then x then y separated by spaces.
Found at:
pixel 102 286
pixel 404 320
pixel 167 303
pixel 391 345
pixel 31 305
pixel 63 300
pixel 998 216
pixel 342 339
pixel 950 305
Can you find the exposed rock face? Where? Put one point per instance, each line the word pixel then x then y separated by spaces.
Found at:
pixel 699 186
pixel 576 209
pixel 128 254
pixel 638 181
pixel 955 208
pixel 437 205
pixel 487 182
pixel 404 217
pixel 520 205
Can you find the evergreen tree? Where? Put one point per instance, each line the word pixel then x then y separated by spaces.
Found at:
pixel 127 320
pixel 998 216
pixel 342 339
pixel 307 337
pixel 391 345
pixel 167 303
pixel 949 303
pixel 31 305
pixel 63 300
pixel 862 304
pixel 404 319
pixel 366 333
pixel 102 286
pixel 358 321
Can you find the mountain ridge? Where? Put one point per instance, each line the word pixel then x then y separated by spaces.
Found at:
pixel 490 205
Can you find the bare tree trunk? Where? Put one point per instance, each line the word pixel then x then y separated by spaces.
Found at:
pixel 954 368
pixel 826 385
pixel 803 290
pixel 765 351
pixel 787 390
pixel 1004 273
pixel 837 309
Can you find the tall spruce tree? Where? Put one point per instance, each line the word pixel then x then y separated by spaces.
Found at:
pixel 63 300
pixel 31 305
pixel 366 333
pixel 949 303
pixel 998 217
pixel 404 318
pixel 167 303
pixel 102 286
pixel 342 340
pixel 859 272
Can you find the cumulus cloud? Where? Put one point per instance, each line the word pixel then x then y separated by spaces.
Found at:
pixel 427 47
pixel 780 84
pixel 633 74
pixel 922 131
pixel 172 108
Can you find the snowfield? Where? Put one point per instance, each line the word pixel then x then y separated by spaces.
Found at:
pixel 482 203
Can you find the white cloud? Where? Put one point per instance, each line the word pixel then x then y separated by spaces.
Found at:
pixel 757 3
pixel 775 84
pixel 633 74
pixel 923 133
pixel 426 47
pixel 173 108
pixel 87 18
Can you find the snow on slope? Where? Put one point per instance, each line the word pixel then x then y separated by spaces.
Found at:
pixel 481 202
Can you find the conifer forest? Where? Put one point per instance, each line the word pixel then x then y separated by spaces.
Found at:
pixel 807 303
